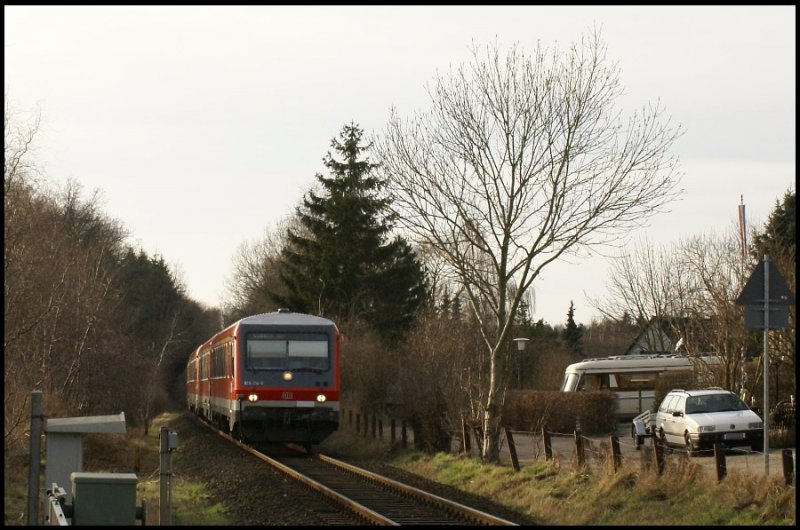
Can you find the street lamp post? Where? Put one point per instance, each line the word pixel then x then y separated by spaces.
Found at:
pixel 521 343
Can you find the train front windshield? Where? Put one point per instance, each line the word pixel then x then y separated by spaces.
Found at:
pixel 288 351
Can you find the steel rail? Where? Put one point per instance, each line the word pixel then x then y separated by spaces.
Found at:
pixel 356 507
pixel 470 513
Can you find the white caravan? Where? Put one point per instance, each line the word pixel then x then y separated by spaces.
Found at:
pixel 633 377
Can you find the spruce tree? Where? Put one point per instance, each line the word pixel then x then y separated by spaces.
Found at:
pixel 572 332
pixel 340 262
pixel 779 237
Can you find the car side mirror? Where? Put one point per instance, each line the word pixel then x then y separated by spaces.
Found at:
pixel 677 413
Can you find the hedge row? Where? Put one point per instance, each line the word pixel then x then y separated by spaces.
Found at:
pixel 561 412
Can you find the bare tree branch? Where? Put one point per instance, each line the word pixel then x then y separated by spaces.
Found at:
pixel 519 160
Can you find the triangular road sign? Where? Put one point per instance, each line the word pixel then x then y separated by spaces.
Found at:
pixel 753 292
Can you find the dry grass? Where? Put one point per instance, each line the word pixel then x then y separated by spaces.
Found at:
pixel 344 440
pixel 556 493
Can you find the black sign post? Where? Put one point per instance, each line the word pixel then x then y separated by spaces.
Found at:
pixel 766 281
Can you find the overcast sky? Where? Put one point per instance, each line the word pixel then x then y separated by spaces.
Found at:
pixel 203 126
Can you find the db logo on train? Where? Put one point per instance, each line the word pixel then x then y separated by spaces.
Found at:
pixel 287 395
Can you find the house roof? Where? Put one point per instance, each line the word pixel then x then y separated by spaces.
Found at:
pixel 678 330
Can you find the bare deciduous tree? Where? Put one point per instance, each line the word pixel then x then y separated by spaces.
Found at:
pixel 69 324
pixel 713 265
pixel 255 272
pixel 519 161
pixel 691 285
pixel 650 284
pixel 18 200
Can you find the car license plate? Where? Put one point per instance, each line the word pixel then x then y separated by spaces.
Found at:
pixel 733 436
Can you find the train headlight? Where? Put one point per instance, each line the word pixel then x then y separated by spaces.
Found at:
pixel 321 398
pixel 287 376
pixel 252 397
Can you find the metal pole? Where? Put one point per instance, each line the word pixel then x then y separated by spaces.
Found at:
pixel 35 458
pixel 766 364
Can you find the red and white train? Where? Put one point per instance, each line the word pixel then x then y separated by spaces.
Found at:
pixel 272 377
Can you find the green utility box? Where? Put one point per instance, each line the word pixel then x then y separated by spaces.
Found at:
pixel 103 498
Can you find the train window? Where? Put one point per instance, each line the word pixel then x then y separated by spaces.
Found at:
pixel 308 354
pixel 219 362
pixel 204 366
pixel 287 352
pixel 266 354
pixel 215 362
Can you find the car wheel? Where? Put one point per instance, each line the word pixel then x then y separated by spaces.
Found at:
pixel 690 449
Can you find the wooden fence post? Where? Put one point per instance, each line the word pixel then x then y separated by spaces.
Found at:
pixel 658 455
pixel 788 466
pixel 616 454
pixel 405 435
pixel 548 446
pixel 579 449
pixel 512 449
pixel 719 461
pixel 393 429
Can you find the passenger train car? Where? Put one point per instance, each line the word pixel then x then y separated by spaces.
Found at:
pixel 272 377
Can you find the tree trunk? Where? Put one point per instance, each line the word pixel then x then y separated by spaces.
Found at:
pixel 490 450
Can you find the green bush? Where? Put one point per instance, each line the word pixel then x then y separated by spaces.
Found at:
pixel 531 410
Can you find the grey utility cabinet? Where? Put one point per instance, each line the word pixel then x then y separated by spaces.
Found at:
pixel 103 498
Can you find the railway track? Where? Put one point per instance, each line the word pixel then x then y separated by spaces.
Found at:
pixel 374 499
